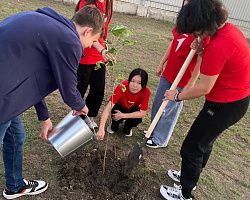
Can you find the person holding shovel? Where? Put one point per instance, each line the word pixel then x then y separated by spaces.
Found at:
pixel 129 103
pixel 39 52
pixel 87 74
pixel 224 81
pixel 173 60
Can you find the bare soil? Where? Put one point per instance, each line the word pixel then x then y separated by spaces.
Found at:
pixel 83 171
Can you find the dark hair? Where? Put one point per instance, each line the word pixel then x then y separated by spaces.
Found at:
pixel 201 15
pixel 142 73
pixel 182 3
pixel 88 2
pixel 109 7
pixel 91 17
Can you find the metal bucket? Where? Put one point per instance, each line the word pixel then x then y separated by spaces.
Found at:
pixel 69 134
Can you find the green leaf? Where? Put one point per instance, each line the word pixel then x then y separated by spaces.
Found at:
pixel 121 31
pixel 112 51
pixel 99 65
pixel 110 63
pixel 107 42
pixel 120 77
pixel 123 87
pixel 128 43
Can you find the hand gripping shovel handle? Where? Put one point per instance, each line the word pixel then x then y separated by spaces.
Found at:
pixel 136 154
pixel 173 87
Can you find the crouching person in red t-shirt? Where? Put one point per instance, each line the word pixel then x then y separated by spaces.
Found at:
pixel 128 104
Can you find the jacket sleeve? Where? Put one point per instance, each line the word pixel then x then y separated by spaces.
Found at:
pixel 64 56
pixel 42 110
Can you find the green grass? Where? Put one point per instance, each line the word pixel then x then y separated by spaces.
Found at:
pixel 227 173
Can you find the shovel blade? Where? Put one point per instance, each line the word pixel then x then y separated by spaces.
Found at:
pixel 134 158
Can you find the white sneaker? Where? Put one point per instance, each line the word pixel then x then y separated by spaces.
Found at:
pixel 174 175
pixel 179 187
pixel 172 193
pixel 91 123
pixel 109 130
pixel 31 187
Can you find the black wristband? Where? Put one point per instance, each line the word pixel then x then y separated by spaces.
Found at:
pixel 176 97
pixel 102 51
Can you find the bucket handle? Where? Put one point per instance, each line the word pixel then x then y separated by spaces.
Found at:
pixel 92 126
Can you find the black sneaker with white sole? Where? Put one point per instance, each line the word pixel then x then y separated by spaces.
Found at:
pixel 32 187
pixel 150 143
pixel 129 134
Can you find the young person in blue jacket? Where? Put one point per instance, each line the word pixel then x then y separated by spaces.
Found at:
pixel 39 53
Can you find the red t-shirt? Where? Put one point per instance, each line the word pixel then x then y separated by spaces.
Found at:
pixel 126 99
pixel 179 51
pixel 228 55
pixel 92 55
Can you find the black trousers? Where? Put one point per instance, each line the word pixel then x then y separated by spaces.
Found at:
pixel 212 120
pixel 88 76
pixel 129 123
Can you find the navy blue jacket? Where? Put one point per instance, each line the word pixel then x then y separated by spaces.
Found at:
pixel 39 53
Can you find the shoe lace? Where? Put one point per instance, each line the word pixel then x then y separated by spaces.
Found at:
pixel 173 189
pixel 32 183
pixel 177 175
pixel 174 195
pixel 178 187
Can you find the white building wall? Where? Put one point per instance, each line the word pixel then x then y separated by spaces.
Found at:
pixel 239 10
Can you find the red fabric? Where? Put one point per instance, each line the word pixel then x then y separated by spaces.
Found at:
pixel 228 56
pixel 127 100
pixel 179 51
pixel 91 55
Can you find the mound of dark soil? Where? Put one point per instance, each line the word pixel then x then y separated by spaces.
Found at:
pixel 82 175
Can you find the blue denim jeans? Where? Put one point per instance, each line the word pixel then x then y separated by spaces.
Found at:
pixel 165 126
pixel 12 135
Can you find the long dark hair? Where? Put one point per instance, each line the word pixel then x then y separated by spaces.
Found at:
pixel 88 2
pixel 201 15
pixel 109 7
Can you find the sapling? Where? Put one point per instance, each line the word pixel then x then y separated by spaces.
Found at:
pixel 119 37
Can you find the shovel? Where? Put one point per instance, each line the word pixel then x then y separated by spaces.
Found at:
pixel 137 152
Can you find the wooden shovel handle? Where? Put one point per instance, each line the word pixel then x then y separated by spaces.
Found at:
pixel 173 87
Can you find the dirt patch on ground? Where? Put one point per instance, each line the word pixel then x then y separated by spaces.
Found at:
pixel 82 174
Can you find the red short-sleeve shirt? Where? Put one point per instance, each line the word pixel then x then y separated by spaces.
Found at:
pixel 127 100
pixel 228 55
pixel 92 55
pixel 179 51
